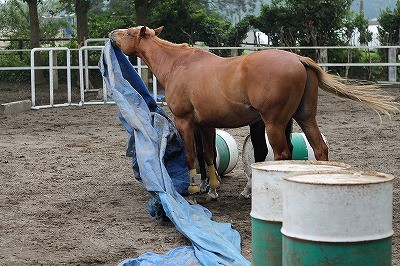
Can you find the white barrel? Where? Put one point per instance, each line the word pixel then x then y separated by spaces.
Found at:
pixel 227 152
pixel 345 206
pixel 267 184
pixel 302 150
pixel 344 218
pixel 267 205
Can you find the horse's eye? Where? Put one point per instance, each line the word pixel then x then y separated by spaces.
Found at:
pixel 128 33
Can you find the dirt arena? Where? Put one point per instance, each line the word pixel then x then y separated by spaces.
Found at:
pixel 68 196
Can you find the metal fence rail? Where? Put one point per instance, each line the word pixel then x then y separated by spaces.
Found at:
pixel 84 66
pixel 51 76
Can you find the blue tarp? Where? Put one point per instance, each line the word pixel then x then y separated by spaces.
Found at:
pixel 158 160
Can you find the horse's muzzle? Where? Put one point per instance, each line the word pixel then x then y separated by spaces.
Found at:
pixel 112 37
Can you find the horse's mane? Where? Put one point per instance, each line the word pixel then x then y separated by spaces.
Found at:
pixel 183 46
pixel 168 43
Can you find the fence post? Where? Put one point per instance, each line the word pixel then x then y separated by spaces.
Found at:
pixel 55 71
pixel 323 57
pixel 392 70
pixel 234 52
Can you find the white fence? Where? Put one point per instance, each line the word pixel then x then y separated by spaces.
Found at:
pixel 84 68
pixel 52 67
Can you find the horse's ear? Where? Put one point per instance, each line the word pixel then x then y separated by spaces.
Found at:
pixel 158 30
pixel 143 31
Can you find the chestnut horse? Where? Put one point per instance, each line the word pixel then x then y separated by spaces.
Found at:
pixel 208 91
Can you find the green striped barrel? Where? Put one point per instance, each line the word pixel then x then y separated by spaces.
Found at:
pixel 227 152
pixel 266 205
pixel 337 218
pixel 302 150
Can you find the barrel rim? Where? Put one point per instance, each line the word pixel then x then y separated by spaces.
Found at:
pixel 262 165
pixel 383 177
pixel 276 217
pixel 325 239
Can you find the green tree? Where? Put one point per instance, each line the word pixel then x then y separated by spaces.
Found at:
pixel 121 8
pixel 81 9
pixel 81 12
pixel 279 23
pixel 232 10
pixel 184 21
pixel 142 8
pixel 305 22
pixel 14 19
pixel 389 25
pixel 100 25
pixel 320 20
pixel 24 20
pixel 34 36
pixel 361 23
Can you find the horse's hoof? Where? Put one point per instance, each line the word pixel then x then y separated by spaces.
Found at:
pixel 211 195
pixel 210 198
pixel 194 189
pixel 191 199
pixel 244 196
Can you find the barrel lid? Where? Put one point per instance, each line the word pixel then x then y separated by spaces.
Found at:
pixel 299 166
pixel 341 177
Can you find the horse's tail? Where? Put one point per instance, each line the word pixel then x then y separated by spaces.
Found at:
pixel 370 95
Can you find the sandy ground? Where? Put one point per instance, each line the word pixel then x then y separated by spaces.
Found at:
pixel 68 196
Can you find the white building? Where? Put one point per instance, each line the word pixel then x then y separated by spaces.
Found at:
pixel 256 37
pixel 373 28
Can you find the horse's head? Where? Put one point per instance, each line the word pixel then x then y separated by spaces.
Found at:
pixel 128 39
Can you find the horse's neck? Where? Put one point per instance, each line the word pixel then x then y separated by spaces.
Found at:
pixel 161 56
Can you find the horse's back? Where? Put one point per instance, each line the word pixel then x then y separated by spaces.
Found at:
pixel 230 92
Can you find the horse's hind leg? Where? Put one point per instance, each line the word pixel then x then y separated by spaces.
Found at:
pixel 208 139
pixel 257 136
pixel 314 137
pixel 200 159
pixel 277 139
pixel 305 116
pixel 260 148
pixel 288 132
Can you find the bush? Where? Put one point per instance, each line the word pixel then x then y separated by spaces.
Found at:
pixel 369 73
pixel 14 60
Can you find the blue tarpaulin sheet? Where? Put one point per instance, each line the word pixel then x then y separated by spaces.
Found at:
pixel 158 160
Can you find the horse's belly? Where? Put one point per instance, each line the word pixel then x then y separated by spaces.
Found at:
pixel 214 117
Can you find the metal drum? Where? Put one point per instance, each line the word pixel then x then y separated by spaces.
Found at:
pixel 227 152
pixel 301 150
pixel 267 202
pixel 337 218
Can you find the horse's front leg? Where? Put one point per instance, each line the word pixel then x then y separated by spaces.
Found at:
pixel 186 130
pixel 208 139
